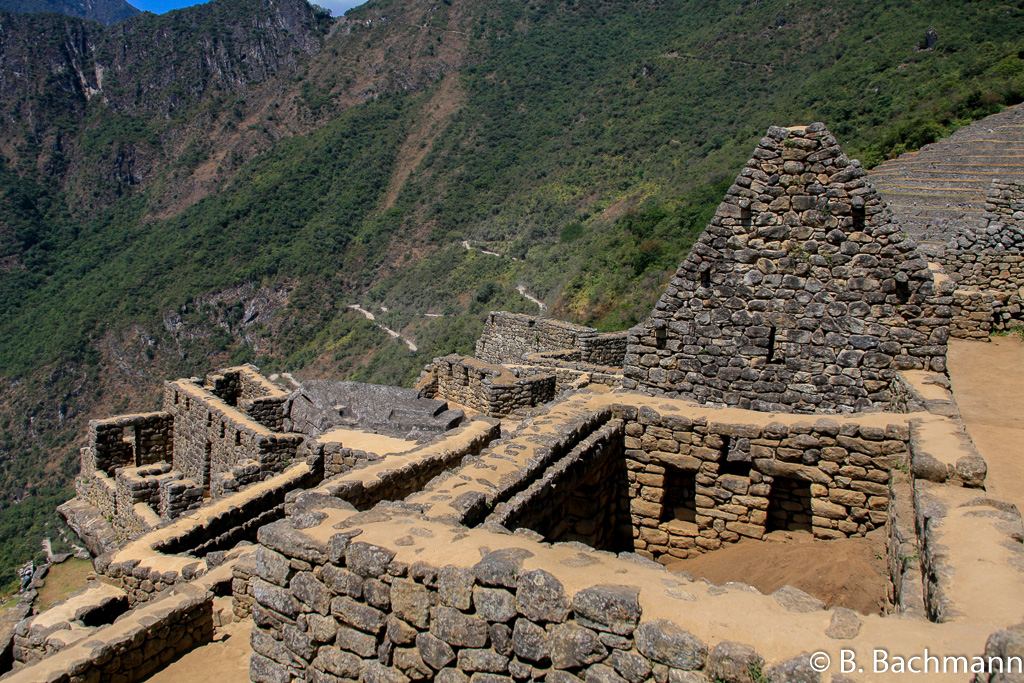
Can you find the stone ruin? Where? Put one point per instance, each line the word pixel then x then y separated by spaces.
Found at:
pixel 986 264
pixel 790 379
pixel 802 295
pixel 218 436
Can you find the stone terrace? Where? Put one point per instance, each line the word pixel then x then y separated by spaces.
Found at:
pixel 943 186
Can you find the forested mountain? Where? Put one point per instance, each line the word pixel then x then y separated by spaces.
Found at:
pixel 106 12
pixel 221 183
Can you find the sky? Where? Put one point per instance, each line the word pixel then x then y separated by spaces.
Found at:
pixel 337 7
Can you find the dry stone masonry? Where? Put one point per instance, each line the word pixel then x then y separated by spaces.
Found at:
pixel 987 266
pixel 790 380
pixel 510 337
pixel 802 295
pixel 487 388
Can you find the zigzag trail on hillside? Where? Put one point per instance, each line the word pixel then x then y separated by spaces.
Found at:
pixel 943 185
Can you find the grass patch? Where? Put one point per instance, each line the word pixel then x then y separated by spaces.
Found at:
pixel 62 580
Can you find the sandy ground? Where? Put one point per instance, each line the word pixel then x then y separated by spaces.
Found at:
pixel 846 572
pixel 988 383
pixel 225 660
pixel 365 441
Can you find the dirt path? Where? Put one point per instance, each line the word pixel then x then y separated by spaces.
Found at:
pixel 397 335
pixel 522 290
pixel 988 383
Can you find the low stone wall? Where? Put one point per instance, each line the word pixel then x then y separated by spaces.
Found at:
pixel 469 493
pixel 581 497
pixel 510 337
pixel 985 270
pixel 1002 228
pixel 174 553
pixel 976 315
pixel 134 647
pixel 340 598
pixel 67 622
pixel 905 593
pixel 224 526
pixel 695 482
pixel 487 388
pixel 393 477
pixel 570 375
pixel 338 459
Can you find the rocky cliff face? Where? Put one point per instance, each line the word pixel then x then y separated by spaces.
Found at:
pixel 106 12
pixel 52 67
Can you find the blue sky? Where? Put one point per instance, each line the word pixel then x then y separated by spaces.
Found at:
pixel 337 7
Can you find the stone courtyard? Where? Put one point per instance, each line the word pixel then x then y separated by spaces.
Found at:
pixel 512 516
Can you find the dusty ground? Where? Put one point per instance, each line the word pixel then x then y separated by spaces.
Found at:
pixel 225 660
pixel 62 580
pixel 848 572
pixel 988 383
pixel 365 441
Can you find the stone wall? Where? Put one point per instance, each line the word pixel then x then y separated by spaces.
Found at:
pixel 487 388
pixel 570 375
pixel 212 437
pixel 468 494
pixel 509 337
pixel 695 483
pixel 67 622
pixel 330 605
pixel 99 491
pixel 986 270
pixel 987 266
pixel 245 388
pixel 127 441
pixel 905 587
pixel 338 459
pixel 802 295
pixel 225 525
pixel 1002 226
pixel 176 553
pixel 396 476
pixel 581 497
pixel 134 647
pixel 979 314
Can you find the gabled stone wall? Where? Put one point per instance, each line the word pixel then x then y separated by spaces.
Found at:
pixel 802 295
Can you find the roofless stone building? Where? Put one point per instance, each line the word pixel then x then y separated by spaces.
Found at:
pixel 802 295
pixel 372 534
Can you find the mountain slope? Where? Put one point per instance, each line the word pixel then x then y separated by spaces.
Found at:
pixel 106 12
pixel 221 183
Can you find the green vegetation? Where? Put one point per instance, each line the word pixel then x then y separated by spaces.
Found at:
pixel 593 143
pixel 62 580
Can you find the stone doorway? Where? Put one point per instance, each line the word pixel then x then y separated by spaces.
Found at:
pixel 789 505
